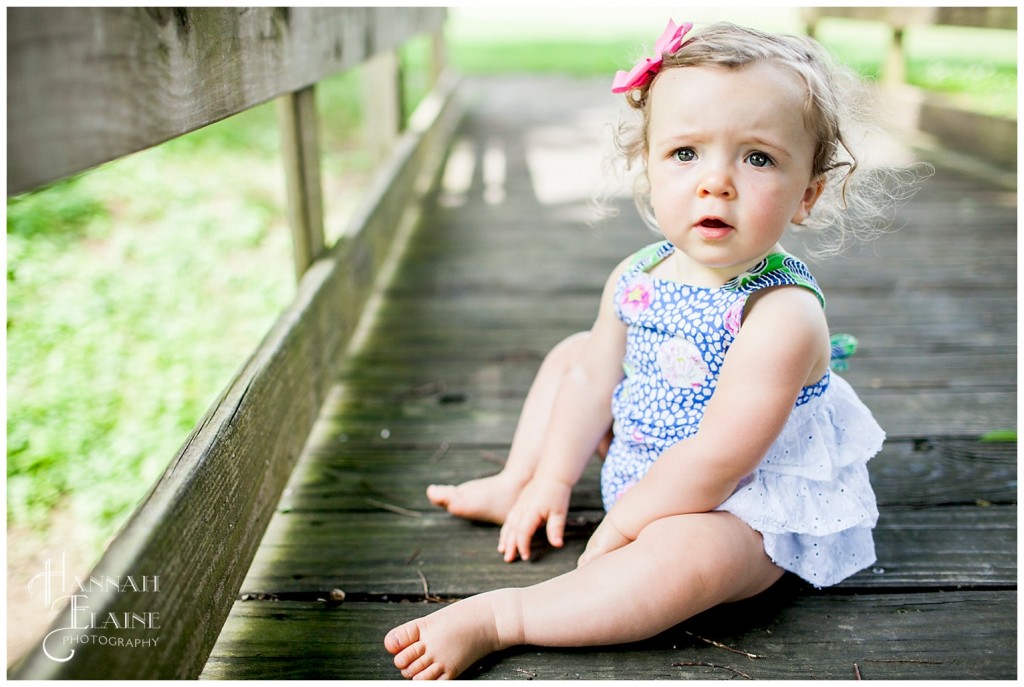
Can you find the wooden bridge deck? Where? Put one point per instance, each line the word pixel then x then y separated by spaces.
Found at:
pixel 490 281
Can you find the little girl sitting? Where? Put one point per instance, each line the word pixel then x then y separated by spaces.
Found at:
pixel 735 453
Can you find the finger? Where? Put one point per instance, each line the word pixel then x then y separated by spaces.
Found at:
pixel 556 529
pixel 507 542
pixel 525 536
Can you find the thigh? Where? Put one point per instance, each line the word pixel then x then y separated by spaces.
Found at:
pixel 715 552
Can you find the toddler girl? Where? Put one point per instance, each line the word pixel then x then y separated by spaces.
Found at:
pixel 735 453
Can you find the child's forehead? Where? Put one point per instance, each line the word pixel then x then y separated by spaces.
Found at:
pixel 761 99
pixel 760 76
pixel 758 90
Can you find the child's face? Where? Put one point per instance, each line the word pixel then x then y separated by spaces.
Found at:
pixel 729 161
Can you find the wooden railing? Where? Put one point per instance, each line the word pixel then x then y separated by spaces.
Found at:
pixel 89 85
pixel 900 18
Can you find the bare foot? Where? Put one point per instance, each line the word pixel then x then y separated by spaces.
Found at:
pixel 447 642
pixel 488 499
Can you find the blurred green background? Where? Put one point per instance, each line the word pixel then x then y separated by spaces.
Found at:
pixel 137 290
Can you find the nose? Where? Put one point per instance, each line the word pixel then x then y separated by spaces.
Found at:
pixel 716 183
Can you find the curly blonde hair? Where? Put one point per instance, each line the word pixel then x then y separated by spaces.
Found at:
pixel 850 204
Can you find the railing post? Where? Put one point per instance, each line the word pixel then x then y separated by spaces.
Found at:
pixel 438 55
pixel 300 149
pixel 382 99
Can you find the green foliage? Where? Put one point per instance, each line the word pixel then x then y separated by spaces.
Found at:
pixel 1000 436
pixel 131 302
pixel 575 58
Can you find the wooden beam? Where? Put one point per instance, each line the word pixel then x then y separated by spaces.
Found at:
pixel 90 84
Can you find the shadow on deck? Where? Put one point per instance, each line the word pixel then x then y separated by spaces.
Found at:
pixel 503 268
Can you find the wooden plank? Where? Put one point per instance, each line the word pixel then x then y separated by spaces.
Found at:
pixel 373 551
pixel 88 85
pixel 486 419
pixel 887 636
pixel 911 473
pixel 199 527
pixel 983 17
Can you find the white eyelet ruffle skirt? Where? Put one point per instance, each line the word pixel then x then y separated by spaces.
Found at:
pixel 810 497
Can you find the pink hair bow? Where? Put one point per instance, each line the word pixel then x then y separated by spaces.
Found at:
pixel 671 40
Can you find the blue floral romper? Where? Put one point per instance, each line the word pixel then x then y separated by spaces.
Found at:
pixel 810 497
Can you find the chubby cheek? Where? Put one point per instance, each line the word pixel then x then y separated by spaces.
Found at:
pixel 774 207
pixel 668 194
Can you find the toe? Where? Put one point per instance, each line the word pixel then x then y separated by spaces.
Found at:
pixel 410 656
pixel 440 494
pixel 435 671
pixel 401 637
pixel 419 668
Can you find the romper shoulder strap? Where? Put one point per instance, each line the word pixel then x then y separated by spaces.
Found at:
pixel 777 269
pixel 649 256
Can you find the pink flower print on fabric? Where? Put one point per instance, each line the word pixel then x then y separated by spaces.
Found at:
pixel 637 295
pixel 681 363
pixel 734 318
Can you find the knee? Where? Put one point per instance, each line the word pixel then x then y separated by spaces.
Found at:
pixel 568 350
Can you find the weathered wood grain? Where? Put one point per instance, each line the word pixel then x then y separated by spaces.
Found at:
pixel 88 85
pixel 886 636
pixel 373 551
pixel 199 527
pixel 911 473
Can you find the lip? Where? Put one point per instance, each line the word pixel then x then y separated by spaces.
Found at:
pixel 711 228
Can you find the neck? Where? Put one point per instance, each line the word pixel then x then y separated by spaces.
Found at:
pixel 694 273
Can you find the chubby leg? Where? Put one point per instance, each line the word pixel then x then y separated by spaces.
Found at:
pixel 490 498
pixel 676 568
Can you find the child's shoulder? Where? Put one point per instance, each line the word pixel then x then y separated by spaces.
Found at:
pixel 776 269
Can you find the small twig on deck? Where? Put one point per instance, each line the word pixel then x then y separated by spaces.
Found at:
pixel 430 388
pixel 856 672
pixel 903 660
pixel 394 509
pixel 439 453
pixel 492 457
pixel 723 646
pixel 694 664
pixel 527 673
pixel 427 596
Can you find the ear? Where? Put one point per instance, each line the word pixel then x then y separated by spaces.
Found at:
pixel 810 197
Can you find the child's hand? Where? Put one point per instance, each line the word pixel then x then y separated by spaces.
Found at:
pixel 605 538
pixel 542 499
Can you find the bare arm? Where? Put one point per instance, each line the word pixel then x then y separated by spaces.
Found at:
pixel 581 417
pixel 782 346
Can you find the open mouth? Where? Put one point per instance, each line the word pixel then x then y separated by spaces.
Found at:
pixel 712 228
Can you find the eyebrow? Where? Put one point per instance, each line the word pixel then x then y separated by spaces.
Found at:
pixel 683 139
